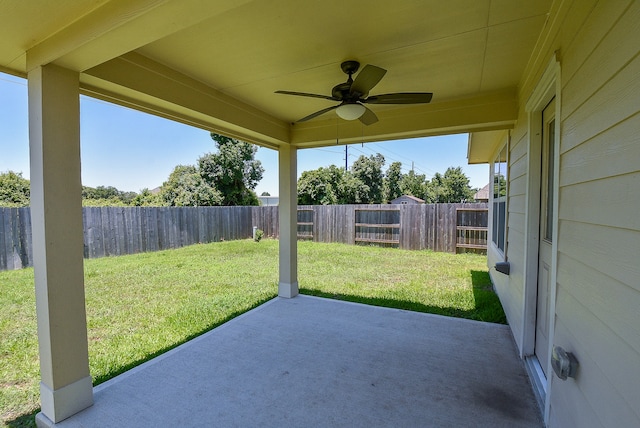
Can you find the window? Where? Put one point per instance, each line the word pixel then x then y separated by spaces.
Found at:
pixel 500 179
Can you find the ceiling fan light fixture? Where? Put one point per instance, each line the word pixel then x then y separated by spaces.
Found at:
pixel 350 111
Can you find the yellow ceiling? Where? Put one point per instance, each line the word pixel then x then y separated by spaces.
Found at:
pixel 216 64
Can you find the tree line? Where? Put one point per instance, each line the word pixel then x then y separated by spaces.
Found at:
pixel 230 176
pixel 367 183
pixel 226 177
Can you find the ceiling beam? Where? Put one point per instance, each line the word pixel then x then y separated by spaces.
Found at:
pixel 118 27
pixel 141 83
pixel 485 112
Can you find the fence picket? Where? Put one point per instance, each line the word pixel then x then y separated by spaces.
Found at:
pixel 127 230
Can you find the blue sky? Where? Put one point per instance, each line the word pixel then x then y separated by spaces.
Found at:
pixel 130 150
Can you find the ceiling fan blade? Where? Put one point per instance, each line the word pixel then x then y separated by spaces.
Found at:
pixel 318 113
pixel 367 79
pixel 401 98
pixel 369 117
pixel 304 94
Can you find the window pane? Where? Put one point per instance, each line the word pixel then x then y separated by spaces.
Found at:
pixel 500 198
pixel 501 224
pixel 495 223
pixel 550 161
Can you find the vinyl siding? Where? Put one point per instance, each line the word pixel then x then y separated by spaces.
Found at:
pixel 598 263
pixel 510 288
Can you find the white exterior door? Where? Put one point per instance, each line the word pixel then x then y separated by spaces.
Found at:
pixel 546 233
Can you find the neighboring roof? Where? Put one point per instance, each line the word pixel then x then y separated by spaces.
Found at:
pixel 482 193
pixel 409 197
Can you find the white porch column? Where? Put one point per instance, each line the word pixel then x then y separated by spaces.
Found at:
pixel 288 219
pixel 56 218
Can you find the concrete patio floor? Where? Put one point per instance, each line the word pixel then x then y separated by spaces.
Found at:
pixel 312 362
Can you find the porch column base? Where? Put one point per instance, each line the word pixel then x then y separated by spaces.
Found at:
pixel 58 405
pixel 288 290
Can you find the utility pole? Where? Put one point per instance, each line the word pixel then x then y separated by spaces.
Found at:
pixel 346 157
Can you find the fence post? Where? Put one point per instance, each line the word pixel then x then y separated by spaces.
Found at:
pixel 154 228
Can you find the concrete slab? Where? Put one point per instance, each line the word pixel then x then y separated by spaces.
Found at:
pixel 310 362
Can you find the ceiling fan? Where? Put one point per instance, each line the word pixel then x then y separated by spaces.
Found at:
pixel 354 93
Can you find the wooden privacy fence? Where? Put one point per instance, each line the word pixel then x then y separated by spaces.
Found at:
pixel 471 229
pixel 110 231
pixel 15 238
pixel 438 227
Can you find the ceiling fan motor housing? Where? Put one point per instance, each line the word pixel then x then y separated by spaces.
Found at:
pixel 341 91
pixel 350 67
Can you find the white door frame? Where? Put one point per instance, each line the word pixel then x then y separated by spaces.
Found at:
pixel 548 87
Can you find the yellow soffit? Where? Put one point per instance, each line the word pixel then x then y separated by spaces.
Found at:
pixel 483 145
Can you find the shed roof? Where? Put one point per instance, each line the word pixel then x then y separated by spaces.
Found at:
pixel 421 201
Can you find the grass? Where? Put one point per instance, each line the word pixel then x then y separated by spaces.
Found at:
pixel 139 306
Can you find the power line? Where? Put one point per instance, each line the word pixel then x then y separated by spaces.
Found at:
pixel 429 170
pixel 414 167
pixel 326 150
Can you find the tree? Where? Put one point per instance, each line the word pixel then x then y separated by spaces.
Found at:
pixel 100 192
pixel 111 202
pixel 329 186
pixel 15 191
pixel 414 184
pixel 369 171
pixel 233 170
pixel 350 188
pixel 458 185
pixel 265 194
pixel 438 189
pixel 128 197
pixel 147 199
pixel 106 196
pixel 186 188
pixel 392 180
pixel 452 187
pixel 499 185
pixel 317 187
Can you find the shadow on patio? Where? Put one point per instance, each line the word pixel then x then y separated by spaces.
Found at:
pixel 310 361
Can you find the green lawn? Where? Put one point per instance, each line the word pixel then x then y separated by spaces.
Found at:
pixel 139 306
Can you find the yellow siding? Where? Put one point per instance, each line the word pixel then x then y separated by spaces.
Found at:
pixel 517 203
pixel 565 413
pixel 510 288
pixel 612 208
pixel 615 101
pixel 598 265
pixel 608 388
pixel 510 295
pixel 619 146
pixel 518 187
pixel 519 140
